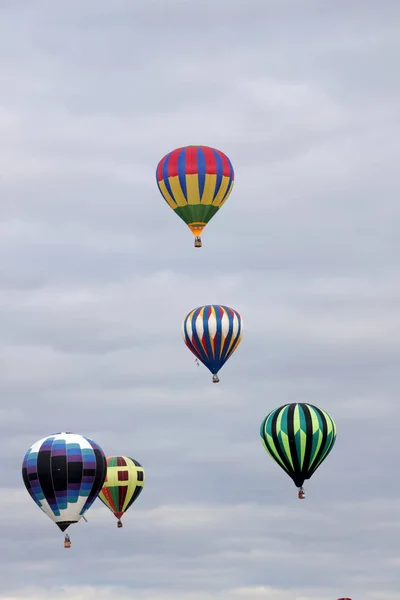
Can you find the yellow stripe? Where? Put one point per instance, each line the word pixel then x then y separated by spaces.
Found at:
pixel 192 189
pixel 330 424
pixel 166 195
pixel 177 191
pixel 317 447
pixel 112 477
pixel 274 454
pixel 133 482
pixel 232 349
pixel 221 192
pixel 227 196
pixel 233 345
pixel 209 189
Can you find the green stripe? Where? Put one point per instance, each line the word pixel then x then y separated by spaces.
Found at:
pixel 114 491
pixel 196 213
pixel 331 438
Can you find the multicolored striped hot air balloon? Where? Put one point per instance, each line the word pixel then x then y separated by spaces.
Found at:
pixel 64 473
pixel 123 484
pixel 212 333
pixel 298 437
pixel 195 181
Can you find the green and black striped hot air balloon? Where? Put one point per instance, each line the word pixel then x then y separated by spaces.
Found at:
pixel 299 437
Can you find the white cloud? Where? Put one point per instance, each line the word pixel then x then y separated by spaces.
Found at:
pixel 92 593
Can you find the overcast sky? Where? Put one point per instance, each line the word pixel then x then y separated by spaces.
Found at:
pixel 97 274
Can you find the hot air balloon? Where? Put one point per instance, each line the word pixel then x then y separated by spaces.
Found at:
pixel 298 437
pixel 344 598
pixel 123 484
pixel 212 333
pixel 64 473
pixel 195 181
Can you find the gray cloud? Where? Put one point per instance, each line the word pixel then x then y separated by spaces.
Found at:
pixel 97 274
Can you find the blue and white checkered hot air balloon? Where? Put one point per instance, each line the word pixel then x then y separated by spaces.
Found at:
pixel 64 474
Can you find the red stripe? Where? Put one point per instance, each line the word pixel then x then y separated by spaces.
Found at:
pixel 191 160
pixel 221 314
pixel 122 490
pixel 173 163
pixel 160 168
pixel 193 349
pixel 211 162
pixel 109 499
pixel 121 462
pixel 203 341
pixel 232 312
pixel 226 169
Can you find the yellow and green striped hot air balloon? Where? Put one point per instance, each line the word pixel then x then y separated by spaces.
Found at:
pixel 123 484
pixel 298 437
pixel 195 181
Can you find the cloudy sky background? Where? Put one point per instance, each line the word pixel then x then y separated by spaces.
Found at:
pixel 97 273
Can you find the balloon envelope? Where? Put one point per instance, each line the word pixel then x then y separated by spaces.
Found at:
pixel 298 437
pixel 123 484
pixel 212 333
pixel 64 473
pixel 195 181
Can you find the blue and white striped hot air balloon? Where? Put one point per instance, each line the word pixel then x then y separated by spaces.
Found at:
pixel 212 333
